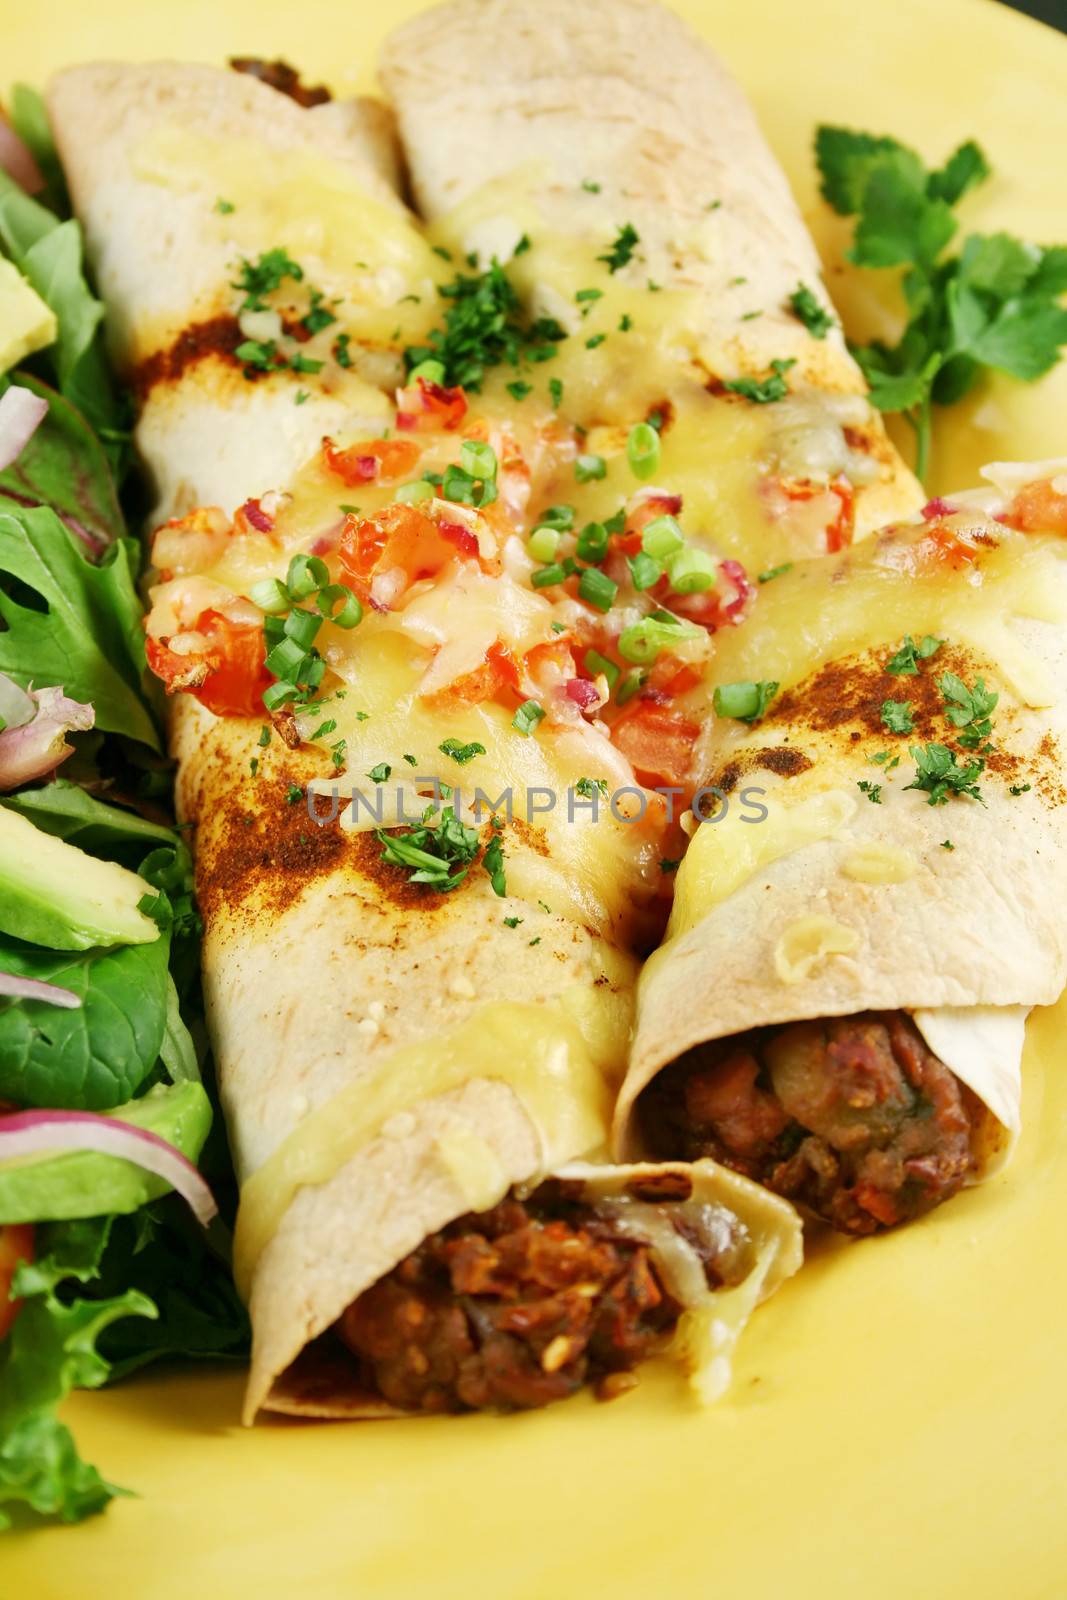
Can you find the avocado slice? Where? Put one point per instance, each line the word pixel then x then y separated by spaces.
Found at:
pixel 54 894
pixel 26 323
pixel 54 1188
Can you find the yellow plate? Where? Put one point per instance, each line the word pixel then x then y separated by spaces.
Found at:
pixel 899 1416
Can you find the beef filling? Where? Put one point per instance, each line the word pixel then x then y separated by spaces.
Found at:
pixel 512 1308
pixel 854 1118
pixel 281 76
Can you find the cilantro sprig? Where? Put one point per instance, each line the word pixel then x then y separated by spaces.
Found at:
pixel 440 855
pixel 994 305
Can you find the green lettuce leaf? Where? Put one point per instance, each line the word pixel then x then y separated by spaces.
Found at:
pixel 52 1349
pixel 72 623
pixel 30 121
pixel 64 466
pixel 96 1057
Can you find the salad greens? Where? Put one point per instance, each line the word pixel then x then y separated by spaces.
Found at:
pixel 995 305
pixel 105 1268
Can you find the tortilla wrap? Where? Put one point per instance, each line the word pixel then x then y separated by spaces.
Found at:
pixel 815 902
pixel 390 1058
pixel 615 113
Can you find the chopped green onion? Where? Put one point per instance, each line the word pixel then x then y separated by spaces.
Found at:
pixel 270 596
pixel 545 577
pixel 587 468
pixel 411 493
pixel 597 589
pixel 302 627
pixel 543 543
pixel 305 575
pixel 645 572
pixel 287 660
pixel 349 613
pixel 479 460
pixel 630 684
pixel 642 641
pixel 561 517
pixel 662 537
pixel 527 717
pixel 643 450
pixel 279 694
pixel 596 664
pixel 593 542
pixel 429 371
pixel 746 702
pixel 691 571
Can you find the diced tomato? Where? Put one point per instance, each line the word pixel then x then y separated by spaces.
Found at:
pixel 401 538
pixel 1038 508
pixel 493 680
pixel 16 1245
pixel 657 741
pixel 724 606
pixel 191 544
pixel 941 546
pixel 376 461
pixel 839 532
pixel 551 663
pixel 227 676
pixel 671 676
pixel 423 406
pixel 642 510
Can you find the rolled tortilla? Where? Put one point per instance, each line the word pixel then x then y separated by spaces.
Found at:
pixel 390 1058
pixel 177 173
pixel 567 126
pixel 804 900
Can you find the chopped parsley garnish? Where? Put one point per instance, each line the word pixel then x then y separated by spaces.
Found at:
pixel 301 396
pixel 590 186
pixel 522 246
pixel 993 305
pixel 587 296
pixel 324 729
pixel 745 702
pixel 939 775
pixel 412 761
pixel 1019 788
pixel 907 658
pixel 461 753
pixel 805 306
pixel 512 922
pixel 519 389
pixel 484 326
pixel 588 788
pixel 625 322
pixel 968 709
pixel 341 352
pixel 897 717
pixel 588 467
pixel 294 794
pixel 622 248
pixel 535 941
pixel 224 207
pixel 431 853
pixel 380 773
pixel 884 758
pixel 764 391
pixel 493 861
pixel 262 277
pixel 946 844
pixel 873 791
pixel 555 392
pixel 527 717
pixel 264 736
pixel 594 340
pixel 317 318
pixel 775 572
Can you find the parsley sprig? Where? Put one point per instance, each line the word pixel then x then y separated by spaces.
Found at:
pixel 993 305
pixel 939 773
pixel 484 326
pixel 440 855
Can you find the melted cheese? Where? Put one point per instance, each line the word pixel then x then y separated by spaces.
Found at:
pixel 878 863
pixel 543 1058
pixel 724 855
pixel 349 243
pixel 473 1165
pixel 823 611
pixel 809 941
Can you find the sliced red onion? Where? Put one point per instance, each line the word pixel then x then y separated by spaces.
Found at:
pixel 36 747
pixel 16 158
pixel 583 692
pixel 937 507
pixel 21 414
pixel 27 1133
pixel 35 989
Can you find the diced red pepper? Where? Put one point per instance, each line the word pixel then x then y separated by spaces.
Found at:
pixel 424 406
pixel 228 677
pixel 376 461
